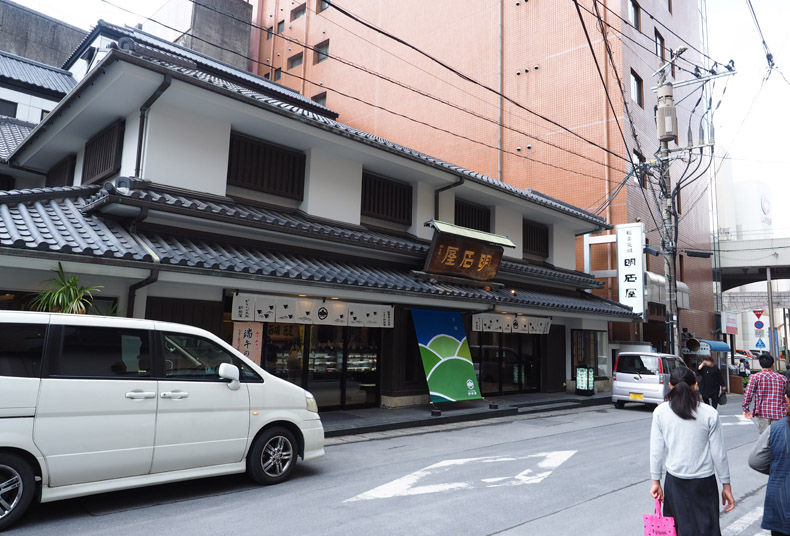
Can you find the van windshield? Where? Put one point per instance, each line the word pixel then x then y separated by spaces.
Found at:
pixel 637 364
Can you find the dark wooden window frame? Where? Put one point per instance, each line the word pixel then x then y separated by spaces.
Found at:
pixel 103 153
pixel 536 239
pixel 472 215
pixel 386 199
pixel 266 167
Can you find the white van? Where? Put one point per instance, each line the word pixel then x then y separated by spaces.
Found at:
pixel 90 404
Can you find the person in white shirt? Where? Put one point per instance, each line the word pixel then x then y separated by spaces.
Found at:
pixel 686 440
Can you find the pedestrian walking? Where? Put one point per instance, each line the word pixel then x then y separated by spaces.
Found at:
pixel 771 455
pixel 710 384
pixel 766 390
pixel 687 440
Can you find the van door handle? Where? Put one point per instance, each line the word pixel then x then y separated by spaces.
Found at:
pixel 175 395
pixel 140 395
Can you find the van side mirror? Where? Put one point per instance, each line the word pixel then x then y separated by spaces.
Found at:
pixel 231 374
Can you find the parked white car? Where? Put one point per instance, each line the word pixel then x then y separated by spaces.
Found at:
pixel 91 404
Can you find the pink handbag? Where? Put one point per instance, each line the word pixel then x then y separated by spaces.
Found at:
pixel 658 525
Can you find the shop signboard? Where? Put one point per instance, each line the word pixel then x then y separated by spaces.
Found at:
pixel 445 354
pixel 243 307
pixel 630 266
pixel 465 257
pixel 288 310
pixel 508 323
pixel 730 323
pixel 248 338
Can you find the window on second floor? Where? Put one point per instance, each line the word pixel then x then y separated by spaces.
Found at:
pixel 278 73
pixel 267 76
pixel 321 51
pixel 472 215
pixel 103 154
pixel 536 239
pixel 298 12
pixel 634 15
pixel 660 47
pixel 295 61
pixel 386 199
pixel 320 98
pixel 7 108
pixel 281 27
pixel 264 167
pixel 637 90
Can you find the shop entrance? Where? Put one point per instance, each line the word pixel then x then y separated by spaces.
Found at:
pixel 506 362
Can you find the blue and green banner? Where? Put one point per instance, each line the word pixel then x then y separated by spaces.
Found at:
pixel 445 355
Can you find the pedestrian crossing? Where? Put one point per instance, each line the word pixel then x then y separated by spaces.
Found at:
pixel 743 525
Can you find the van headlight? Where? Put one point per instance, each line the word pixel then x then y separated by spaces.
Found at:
pixel 310 402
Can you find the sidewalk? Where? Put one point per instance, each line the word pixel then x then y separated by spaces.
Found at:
pixel 362 421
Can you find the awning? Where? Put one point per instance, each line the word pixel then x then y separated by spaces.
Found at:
pixel 715 346
pixel 474 234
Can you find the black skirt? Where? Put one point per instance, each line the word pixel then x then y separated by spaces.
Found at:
pixel 694 503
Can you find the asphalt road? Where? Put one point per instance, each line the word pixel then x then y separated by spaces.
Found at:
pixel 582 471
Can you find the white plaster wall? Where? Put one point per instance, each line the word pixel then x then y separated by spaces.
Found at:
pixel 28 108
pixel 185 150
pixel 422 210
pixel 562 243
pixel 129 151
pixel 508 222
pixel 333 187
pixel 446 206
pixel 78 164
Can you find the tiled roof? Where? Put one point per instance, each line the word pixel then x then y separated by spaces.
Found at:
pixel 294 222
pixel 58 225
pixel 32 73
pixel 12 132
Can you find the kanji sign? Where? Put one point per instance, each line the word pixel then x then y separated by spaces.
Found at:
pixel 248 338
pixel 630 266
pixel 454 255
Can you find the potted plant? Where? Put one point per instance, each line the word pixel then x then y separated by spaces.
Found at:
pixel 65 295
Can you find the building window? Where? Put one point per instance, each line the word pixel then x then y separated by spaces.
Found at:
pixel 321 5
pixel 637 90
pixel 320 98
pixel 679 202
pixel 321 51
pixel 536 239
pixel 472 215
pixel 103 154
pixel 660 47
pixel 634 15
pixel 62 173
pixel 7 108
pixel 269 32
pixel 257 165
pixel 681 267
pixel 281 27
pixel 298 12
pixel 278 73
pixel 267 76
pixel 295 61
pixel 386 199
pixel 669 6
pixel 588 349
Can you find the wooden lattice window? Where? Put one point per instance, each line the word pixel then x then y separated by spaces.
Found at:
pixel 265 167
pixel 103 154
pixel 472 215
pixel 386 199
pixel 536 239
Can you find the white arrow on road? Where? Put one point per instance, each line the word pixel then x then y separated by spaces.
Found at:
pixel 407 485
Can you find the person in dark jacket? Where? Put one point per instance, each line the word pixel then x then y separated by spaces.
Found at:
pixel 771 455
pixel 710 383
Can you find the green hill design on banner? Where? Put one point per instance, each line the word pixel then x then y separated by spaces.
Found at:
pixel 449 369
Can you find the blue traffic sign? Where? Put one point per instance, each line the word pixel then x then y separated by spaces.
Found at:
pixel 760 344
pixel 759 324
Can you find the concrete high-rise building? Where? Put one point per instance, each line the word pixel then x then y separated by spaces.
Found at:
pixel 536 54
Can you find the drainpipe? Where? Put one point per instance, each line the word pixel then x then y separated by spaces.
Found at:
pixel 152 278
pixel 440 190
pixel 143 116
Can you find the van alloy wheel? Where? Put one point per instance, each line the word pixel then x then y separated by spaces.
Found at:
pixel 11 489
pixel 277 456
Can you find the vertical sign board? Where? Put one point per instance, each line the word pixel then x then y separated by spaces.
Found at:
pixel 730 322
pixel 630 266
pixel 248 339
pixel 445 355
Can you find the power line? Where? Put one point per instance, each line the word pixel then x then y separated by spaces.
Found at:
pixel 768 56
pixel 469 79
pixel 440 129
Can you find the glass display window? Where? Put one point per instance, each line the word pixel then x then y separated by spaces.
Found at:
pixel 361 378
pixel 589 349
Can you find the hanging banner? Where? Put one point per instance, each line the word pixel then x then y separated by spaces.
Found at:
pixel 502 323
pixel 243 307
pixel 630 266
pixel 301 310
pixel 445 354
pixel 248 339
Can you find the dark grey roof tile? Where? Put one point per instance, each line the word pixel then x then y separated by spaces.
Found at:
pixel 32 73
pixel 12 133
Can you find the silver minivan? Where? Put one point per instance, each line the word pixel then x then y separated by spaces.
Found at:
pixel 642 377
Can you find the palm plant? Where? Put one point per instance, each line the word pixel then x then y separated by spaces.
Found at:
pixel 65 295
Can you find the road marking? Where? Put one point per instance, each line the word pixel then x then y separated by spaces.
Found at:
pixel 740 420
pixel 407 485
pixel 743 522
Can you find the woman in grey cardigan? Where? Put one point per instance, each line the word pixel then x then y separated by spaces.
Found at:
pixel 686 439
pixel 771 455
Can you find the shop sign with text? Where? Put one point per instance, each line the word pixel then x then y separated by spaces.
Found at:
pixel 630 266
pixel 454 255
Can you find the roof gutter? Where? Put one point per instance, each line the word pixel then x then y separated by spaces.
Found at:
pixel 438 191
pixel 152 278
pixel 143 116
